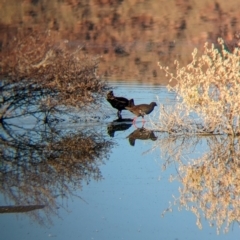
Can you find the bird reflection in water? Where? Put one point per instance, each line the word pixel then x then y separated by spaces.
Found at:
pixel 141 134
pixel 120 124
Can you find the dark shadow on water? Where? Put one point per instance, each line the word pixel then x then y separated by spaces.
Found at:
pixel 141 134
pixel 20 209
pixel 120 124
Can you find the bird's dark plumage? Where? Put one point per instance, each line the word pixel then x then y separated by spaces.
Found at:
pixel 120 103
pixel 141 109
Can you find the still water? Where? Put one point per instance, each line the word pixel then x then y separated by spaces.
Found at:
pixel 90 176
pixel 124 193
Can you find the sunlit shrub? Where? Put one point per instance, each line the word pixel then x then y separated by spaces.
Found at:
pixel 208 94
pixel 37 62
pixel 210 86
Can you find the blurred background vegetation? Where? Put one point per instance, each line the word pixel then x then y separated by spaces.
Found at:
pixel 131 35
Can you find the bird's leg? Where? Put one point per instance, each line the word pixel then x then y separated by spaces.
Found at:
pixel 135 125
pixel 119 114
pixel 134 121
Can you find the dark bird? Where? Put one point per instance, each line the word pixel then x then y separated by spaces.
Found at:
pixel 120 103
pixel 141 110
pixel 141 134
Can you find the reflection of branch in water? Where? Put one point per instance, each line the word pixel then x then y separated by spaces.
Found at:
pixel 141 134
pixel 76 157
pixel 20 209
pixel 211 182
pixel 25 99
pixel 41 163
pixel 177 148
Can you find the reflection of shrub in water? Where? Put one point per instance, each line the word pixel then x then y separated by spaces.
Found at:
pixel 211 187
pixel 78 156
pixel 35 171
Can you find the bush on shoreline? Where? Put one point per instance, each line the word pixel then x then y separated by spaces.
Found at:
pixel 210 86
pixel 35 66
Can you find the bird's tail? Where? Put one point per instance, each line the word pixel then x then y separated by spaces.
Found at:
pixel 131 103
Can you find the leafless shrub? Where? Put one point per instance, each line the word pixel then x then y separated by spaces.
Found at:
pixel 42 161
pixel 37 62
pixel 210 86
pixel 208 102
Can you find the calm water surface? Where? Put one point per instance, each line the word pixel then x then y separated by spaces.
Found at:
pixel 127 202
pixel 98 183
